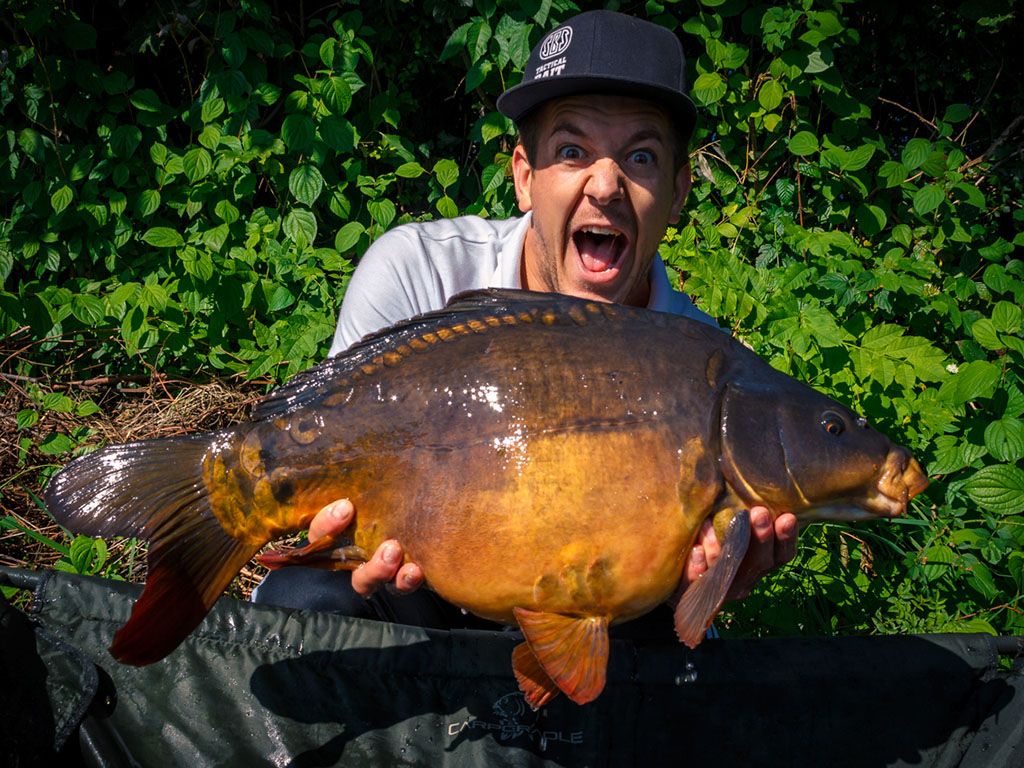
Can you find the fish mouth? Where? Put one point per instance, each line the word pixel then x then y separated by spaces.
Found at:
pixel 900 480
pixel 600 249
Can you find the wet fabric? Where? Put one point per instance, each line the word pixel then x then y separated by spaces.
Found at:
pixel 257 685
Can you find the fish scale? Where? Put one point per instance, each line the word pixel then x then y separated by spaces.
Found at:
pixel 546 461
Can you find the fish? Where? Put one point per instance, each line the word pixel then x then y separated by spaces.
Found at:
pixel 548 461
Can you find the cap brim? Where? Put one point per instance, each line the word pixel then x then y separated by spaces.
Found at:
pixel 520 100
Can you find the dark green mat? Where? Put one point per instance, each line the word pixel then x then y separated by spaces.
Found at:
pixel 256 685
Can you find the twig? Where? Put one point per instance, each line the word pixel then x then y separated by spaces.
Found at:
pixel 920 117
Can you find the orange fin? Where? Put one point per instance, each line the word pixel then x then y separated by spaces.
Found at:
pixel 702 599
pixel 573 652
pixel 536 685
pixel 322 554
pixel 153 490
pixel 178 595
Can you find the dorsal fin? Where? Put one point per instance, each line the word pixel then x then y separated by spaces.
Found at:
pixel 311 384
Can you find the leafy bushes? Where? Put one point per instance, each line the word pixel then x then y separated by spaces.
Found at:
pixel 188 189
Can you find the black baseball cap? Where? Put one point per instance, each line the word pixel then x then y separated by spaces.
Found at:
pixel 605 52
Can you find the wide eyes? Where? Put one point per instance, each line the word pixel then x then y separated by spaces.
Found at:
pixel 832 423
pixel 573 152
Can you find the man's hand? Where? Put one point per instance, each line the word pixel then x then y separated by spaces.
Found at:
pixel 771 546
pixel 382 569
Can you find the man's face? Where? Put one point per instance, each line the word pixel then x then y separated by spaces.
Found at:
pixel 602 190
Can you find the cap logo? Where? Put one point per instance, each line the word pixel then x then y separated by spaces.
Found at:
pixel 556 43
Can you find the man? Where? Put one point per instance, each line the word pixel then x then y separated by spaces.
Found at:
pixel 600 171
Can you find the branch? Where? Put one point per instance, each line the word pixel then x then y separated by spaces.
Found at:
pixel 1000 140
pixel 920 117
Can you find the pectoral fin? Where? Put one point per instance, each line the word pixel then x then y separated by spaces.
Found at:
pixel 323 553
pixel 701 601
pixel 572 652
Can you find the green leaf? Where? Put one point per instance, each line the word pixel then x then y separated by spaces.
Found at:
pixel 146 100
pixel 212 109
pixel 306 183
pixel 1006 317
pixel 26 418
pixel 974 379
pixel 492 178
pixel 447 207
pixel 87 308
pixel 803 143
pixel 197 164
pixel 410 170
pixel 300 226
pixel 916 153
pixel 493 125
pixel 210 137
pixel 1004 438
pixel 227 212
pixel 148 202
pixel 708 88
pixel 998 488
pixel 382 211
pixel 893 173
pixel 339 134
pixel 338 94
pixel 446 172
pixel 61 199
pixel 348 236
pixel 215 238
pixel 984 332
pixel 298 132
pixel 871 219
pixel 956 113
pixel 57 402
pixel 55 443
pixel 937 561
pixel 477 37
pixel 163 237
pixel 456 42
pixel 928 198
pixel 770 95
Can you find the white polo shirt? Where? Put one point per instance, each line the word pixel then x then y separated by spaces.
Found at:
pixel 417 267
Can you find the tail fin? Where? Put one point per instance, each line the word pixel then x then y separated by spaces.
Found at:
pixel 154 490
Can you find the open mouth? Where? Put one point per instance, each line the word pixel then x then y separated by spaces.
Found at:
pixel 600 248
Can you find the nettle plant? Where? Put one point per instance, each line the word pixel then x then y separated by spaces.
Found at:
pixel 187 189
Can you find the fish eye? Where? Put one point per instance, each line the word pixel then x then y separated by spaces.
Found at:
pixel 832 423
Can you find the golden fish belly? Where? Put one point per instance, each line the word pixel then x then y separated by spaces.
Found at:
pixel 559 523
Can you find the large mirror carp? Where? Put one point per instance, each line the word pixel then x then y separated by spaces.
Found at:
pixel 548 461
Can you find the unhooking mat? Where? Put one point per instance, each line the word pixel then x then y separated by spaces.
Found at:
pixel 256 685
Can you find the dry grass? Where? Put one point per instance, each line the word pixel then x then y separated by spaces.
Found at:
pixel 159 408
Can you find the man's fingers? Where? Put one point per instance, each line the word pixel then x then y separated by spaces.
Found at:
pixel 785 539
pixel 409 579
pixel 379 569
pixel 332 519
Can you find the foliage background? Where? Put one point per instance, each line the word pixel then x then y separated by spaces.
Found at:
pixel 185 188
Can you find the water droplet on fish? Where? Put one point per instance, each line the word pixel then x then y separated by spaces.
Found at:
pixel 464 611
pixel 689 676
